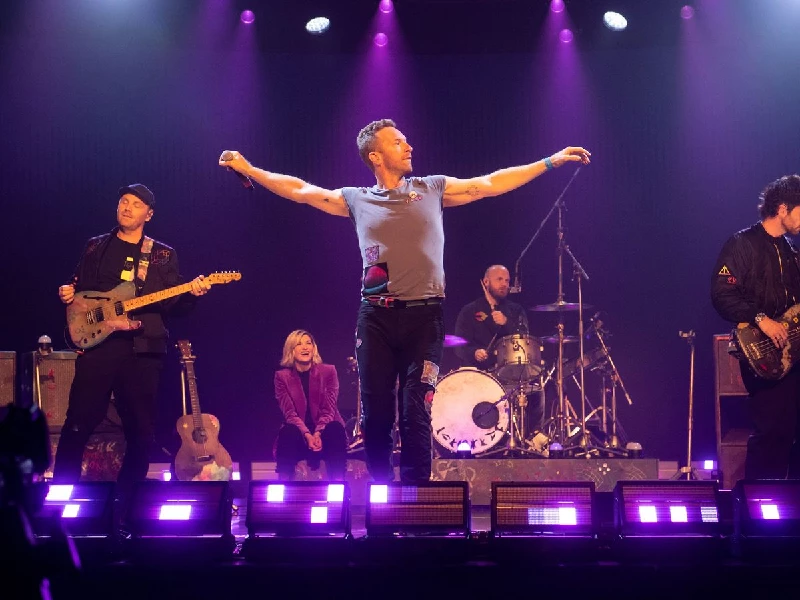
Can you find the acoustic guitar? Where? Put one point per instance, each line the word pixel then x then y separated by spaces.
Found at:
pixel 93 316
pixel 201 455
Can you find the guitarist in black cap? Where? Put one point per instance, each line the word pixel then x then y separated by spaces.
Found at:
pixel 129 362
pixel 756 281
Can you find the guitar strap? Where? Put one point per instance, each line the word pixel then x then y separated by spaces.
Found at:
pixel 144 263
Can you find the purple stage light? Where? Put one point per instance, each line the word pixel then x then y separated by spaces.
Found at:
pixel 687 12
pixel 70 511
pixel 647 513
pixel 275 492
pixel 319 514
pixel 770 511
pixel 386 6
pixel 565 35
pixel 678 514
pixel 378 494
pixel 557 6
pixel 335 493
pixel 248 16
pixel 175 512
pixel 381 39
pixel 58 493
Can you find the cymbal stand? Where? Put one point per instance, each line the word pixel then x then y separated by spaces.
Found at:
pixel 612 444
pixel 580 274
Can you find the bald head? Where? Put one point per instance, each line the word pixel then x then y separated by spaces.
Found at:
pixel 497 279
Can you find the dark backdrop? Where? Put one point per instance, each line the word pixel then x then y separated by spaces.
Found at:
pixel 685 129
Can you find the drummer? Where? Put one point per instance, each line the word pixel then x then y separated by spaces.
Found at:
pixel 484 322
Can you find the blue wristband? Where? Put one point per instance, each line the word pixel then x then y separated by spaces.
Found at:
pixel 548 163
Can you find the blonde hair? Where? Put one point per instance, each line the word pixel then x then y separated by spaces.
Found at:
pixel 292 341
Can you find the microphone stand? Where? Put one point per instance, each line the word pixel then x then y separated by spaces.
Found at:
pixel 560 434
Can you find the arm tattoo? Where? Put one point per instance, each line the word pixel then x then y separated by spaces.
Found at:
pixel 472 190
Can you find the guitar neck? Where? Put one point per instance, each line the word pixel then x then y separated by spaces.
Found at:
pixel 191 380
pixel 140 301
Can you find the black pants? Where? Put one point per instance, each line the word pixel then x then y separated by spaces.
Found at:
pixel 404 343
pixel 774 407
pixel 133 378
pixel 291 447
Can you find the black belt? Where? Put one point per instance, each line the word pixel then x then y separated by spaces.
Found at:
pixel 389 302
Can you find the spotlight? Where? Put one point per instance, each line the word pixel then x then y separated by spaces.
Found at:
pixel 670 518
pixel 247 17
pixel 386 6
pixel 767 517
pixel 565 35
pixel 430 508
pixel 615 21
pixel 546 518
pixel 557 6
pixel 83 509
pixel 318 25
pixel 298 508
pixel 463 450
pixel 381 39
pixel 687 12
pixel 175 520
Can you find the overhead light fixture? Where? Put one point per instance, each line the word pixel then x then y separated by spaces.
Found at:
pixel 318 25
pixel 615 21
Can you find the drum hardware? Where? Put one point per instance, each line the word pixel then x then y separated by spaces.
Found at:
pixel 517 443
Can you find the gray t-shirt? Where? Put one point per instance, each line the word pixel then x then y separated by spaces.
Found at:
pixel 401 237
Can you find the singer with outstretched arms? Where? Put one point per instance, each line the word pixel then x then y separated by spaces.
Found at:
pixel 400 327
pixel 488 319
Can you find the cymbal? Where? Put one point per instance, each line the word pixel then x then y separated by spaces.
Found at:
pixel 558 307
pixel 451 341
pixel 553 339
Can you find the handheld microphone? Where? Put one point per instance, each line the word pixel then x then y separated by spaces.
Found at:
pixel 228 155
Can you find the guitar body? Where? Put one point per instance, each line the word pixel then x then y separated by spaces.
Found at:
pixel 199 447
pixel 93 316
pixel 767 360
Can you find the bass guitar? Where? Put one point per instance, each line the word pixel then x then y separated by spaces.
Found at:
pixel 201 455
pixel 93 316
pixel 764 357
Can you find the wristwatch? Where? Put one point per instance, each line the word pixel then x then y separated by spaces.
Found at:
pixel 760 317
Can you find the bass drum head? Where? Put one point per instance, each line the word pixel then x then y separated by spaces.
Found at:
pixel 467 408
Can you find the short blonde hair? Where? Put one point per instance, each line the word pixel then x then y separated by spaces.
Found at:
pixel 292 341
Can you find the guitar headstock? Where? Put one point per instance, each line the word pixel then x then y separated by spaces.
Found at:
pixel 224 276
pixel 185 348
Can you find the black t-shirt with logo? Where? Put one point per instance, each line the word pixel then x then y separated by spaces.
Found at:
pixel 118 264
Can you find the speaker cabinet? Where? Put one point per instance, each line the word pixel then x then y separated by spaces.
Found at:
pixel 47 381
pixel 733 426
pixel 8 378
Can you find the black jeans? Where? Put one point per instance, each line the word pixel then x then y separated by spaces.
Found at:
pixel 404 343
pixel 291 447
pixel 111 366
pixel 774 407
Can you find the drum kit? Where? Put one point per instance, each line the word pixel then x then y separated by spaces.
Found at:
pixel 482 413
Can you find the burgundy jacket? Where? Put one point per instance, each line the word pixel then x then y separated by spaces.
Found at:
pixel 323 387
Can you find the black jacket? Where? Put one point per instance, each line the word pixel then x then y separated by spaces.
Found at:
pixel 755 273
pixel 162 273
pixel 475 324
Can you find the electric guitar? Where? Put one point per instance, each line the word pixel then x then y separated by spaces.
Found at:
pixel 765 358
pixel 93 316
pixel 201 456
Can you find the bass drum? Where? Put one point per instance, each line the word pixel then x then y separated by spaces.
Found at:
pixel 470 407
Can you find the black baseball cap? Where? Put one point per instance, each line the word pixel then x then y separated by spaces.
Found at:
pixel 141 191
